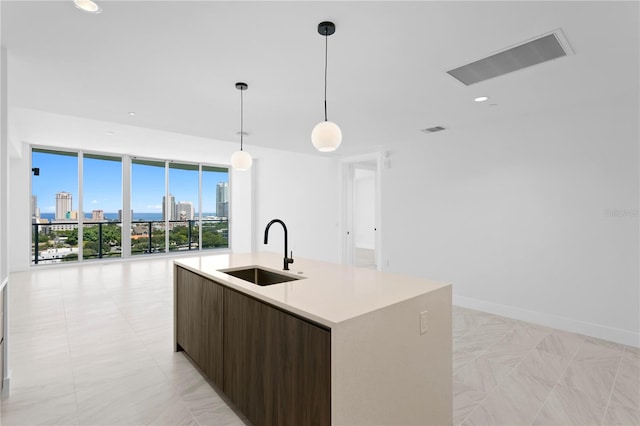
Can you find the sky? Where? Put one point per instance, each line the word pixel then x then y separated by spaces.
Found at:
pixel 102 184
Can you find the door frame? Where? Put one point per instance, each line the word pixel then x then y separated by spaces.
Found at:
pixel 349 164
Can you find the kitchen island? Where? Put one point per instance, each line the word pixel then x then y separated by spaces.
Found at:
pixel 337 344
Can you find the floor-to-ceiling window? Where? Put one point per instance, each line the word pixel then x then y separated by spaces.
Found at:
pixel 102 206
pixel 54 206
pixel 215 207
pixel 78 190
pixel 183 197
pixel 148 207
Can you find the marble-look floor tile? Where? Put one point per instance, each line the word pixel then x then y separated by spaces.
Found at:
pixel 618 415
pixel 630 364
pixel 482 374
pixel 189 382
pixel 174 414
pixel 524 335
pixel 507 353
pixel 476 343
pixel 203 401
pixel 543 365
pixel 37 348
pixel 134 399
pixel 170 362
pixel 34 374
pixel 53 406
pixel 96 370
pixel 460 359
pixel 598 348
pixel 465 400
pixel 222 416
pixel 495 323
pixel 94 344
pixel 561 343
pixel 516 401
pixel 626 388
pixel 463 323
pixel 206 402
pixel 593 381
pixel 567 406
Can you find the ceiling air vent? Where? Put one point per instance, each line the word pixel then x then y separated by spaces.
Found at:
pixel 433 129
pixel 541 49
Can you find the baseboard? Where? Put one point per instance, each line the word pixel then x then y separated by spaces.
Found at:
pixel 6 387
pixel 616 335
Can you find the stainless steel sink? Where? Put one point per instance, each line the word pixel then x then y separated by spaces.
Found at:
pixel 259 276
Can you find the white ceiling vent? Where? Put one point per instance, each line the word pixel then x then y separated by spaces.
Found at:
pixel 541 49
pixel 433 129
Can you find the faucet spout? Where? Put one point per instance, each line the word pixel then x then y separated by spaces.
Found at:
pixel 287 260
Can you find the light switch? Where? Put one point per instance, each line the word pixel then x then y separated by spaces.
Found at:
pixel 423 322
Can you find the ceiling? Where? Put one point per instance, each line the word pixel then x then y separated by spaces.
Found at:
pixel 175 64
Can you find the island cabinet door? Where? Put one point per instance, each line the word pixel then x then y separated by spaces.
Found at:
pixel 199 322
pixel 277 367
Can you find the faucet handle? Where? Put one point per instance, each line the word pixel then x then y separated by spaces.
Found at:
pixel 290 259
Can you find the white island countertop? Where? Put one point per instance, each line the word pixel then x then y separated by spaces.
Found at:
pixel 328 294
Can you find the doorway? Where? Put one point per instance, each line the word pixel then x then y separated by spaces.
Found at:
pixel 361 238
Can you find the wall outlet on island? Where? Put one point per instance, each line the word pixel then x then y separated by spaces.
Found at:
pixel 423 322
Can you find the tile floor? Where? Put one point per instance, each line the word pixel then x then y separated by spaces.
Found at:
pixel 507 372
pixel 91 345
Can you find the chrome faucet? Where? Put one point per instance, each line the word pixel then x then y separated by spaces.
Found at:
pixel 287 260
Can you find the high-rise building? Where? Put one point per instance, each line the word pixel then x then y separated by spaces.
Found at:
pixel 120 215
pixel 222 199
pixel 64 205
pixel 184 210
pixel 172 208
pixel 97 216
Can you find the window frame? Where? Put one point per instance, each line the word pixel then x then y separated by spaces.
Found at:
pixel 127 162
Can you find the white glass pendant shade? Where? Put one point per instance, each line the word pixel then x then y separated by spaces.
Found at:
pixel 87 6
pixel 326 136
pixel 241 160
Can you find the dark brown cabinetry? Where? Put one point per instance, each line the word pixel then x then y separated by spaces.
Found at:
pixel 276 367
pixel 199 322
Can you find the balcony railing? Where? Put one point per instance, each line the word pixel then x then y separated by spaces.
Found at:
pixel 58 241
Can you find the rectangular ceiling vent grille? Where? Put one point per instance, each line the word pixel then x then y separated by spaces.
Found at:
pixel 433 129
pixel 541 49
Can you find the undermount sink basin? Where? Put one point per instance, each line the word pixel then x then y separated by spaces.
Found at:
pixel 259 276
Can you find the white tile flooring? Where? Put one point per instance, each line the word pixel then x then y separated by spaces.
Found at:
pixel 508 372
pixel 92 345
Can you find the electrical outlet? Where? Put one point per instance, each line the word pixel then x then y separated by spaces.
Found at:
pixel 424 324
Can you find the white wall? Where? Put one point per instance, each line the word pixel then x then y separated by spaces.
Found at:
pixel 291 186
pixel 4 168
pixel 517 215
pixel 304 192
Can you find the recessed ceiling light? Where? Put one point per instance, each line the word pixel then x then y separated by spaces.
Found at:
pixel 131 113
pixel 109 132
pixel 87 6
pixel 481 99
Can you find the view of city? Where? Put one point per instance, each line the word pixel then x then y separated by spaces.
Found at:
pixel 63 231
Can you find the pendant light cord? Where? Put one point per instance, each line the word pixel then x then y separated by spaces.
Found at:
pixel 241 118
pixel 326 48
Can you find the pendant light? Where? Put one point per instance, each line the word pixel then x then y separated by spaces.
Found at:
pixel 241 160
pixel 326 135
